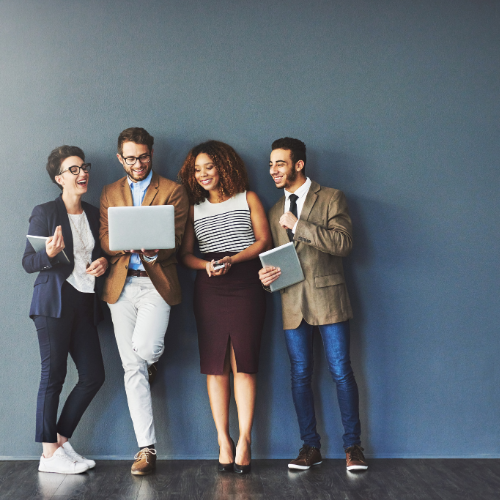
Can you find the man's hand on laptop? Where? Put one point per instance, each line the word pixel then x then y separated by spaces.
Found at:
pixel 147 253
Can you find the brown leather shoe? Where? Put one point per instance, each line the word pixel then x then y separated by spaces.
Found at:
pixel 355 460
pixel 145 462
pixel 308 455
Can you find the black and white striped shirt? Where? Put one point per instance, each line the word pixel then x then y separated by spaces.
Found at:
pixel 224 227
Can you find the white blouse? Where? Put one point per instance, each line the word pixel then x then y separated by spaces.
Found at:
pixel 83 244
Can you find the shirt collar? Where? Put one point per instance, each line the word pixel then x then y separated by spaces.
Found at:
pixel 302 191
pixel 141 185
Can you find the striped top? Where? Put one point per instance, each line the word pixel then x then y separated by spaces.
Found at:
pixel 224 227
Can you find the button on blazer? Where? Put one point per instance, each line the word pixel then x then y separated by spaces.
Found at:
pixel 44 219
pixel 162 271
pixel 322 237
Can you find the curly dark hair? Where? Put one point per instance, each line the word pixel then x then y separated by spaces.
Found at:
pixel 296 147
pixel 233 177
pixel 57 156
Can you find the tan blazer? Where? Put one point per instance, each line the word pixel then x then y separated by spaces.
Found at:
pixel 162 271
pixel 322 237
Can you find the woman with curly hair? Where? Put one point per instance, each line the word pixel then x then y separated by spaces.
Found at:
pixel 230 225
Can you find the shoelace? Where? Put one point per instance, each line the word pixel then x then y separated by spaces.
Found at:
pixel 64 456
pixel 356 453
pixel 144 454
pixel 305 451
pixel 74 454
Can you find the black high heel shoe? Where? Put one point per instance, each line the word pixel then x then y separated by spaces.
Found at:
pixel 227 467
pixel 241 469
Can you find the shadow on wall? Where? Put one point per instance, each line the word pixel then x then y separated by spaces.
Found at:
pixel 381 232
pixel 328 415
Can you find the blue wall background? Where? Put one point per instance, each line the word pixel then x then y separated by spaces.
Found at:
pixel 398 103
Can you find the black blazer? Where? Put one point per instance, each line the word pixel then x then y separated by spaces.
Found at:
pixel 44 219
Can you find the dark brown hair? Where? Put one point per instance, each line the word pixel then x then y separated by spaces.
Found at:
pixel 296 147
pixel 137 135
pixel 57 156
pixel 233 176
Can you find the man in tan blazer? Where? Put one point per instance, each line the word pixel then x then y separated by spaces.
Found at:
pixel 316 219
pixel 142 285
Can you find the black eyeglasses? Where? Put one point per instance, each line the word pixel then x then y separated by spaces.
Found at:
pixel 75 169
pixel 132 160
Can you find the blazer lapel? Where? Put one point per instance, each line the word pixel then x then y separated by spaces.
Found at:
pixel 126 193
pixel 152 190
pixel 309 202
pixel 62 215
pixel 282 234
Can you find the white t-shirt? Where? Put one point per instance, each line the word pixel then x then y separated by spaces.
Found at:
pixel 83 244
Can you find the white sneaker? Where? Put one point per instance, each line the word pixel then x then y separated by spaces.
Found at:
pixel 61 463
pixel 76 457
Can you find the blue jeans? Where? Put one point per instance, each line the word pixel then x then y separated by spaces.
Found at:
pixel 300 349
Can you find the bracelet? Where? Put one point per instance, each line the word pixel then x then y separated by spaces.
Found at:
pixel 266 288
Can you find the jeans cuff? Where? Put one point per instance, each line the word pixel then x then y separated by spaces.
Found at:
pixel 313 445
pixel 357 443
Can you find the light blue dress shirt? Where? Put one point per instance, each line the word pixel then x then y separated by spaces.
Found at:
pixel 138 190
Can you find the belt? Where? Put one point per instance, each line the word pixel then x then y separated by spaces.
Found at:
pixel 137 273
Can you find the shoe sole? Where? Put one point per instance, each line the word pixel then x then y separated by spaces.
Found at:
pixel 357 467
pixel 246 470
pixel 140 473
pixel 303 467
pixel 59 472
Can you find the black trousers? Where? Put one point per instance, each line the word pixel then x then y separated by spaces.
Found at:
pixel 73 333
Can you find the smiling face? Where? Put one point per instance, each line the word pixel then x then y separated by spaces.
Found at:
pixel 205 172
pixel 284 173
pixel 73 184
pixel 140 169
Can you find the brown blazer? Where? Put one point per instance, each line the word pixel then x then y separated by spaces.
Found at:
pixel 162 271
pixel 322 237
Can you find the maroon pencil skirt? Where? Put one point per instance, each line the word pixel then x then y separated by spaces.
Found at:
pixel 226 307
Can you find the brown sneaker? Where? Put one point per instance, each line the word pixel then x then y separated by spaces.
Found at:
pixel 355 459
pixel 308 455
pixel 145 462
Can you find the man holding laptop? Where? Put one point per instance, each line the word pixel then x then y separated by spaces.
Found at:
pixel 316 219
pixel 142 284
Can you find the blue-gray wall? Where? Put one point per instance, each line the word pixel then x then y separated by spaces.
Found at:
pixel 399 105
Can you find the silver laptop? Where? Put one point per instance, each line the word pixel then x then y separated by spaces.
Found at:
pixel 134 228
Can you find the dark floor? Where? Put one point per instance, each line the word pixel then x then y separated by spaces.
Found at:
pixel 270 479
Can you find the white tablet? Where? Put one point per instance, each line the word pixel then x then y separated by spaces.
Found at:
pixel 134 228
pixel 285 257
pixel 38 244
